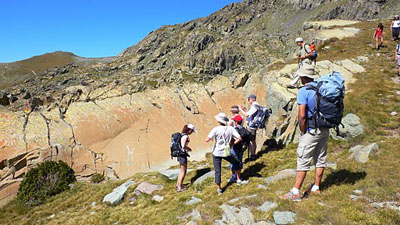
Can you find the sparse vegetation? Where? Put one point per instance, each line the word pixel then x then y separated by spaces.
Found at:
pixel 47 179
pixel 97 178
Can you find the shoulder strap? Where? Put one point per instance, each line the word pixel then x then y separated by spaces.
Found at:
pixel 305 49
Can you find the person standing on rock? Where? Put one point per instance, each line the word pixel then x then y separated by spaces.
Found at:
pixel 254 106
pixel 395 28
pixel 185 140
pixel 397 57
pixel 304 57
pixel 225 136
pixel 312 142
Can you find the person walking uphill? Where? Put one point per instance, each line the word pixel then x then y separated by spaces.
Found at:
pixel 397 56
pixel 304 57
pixel 378 36
pixel 395 28
pixel 182 158
pixel 313 141
pixel 254 106
pixel 224 136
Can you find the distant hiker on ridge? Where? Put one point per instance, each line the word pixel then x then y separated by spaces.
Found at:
pixel 304 56
pixel 180 148
pixel 224 136
pixel 397 56
pixel 395 28
pixel 378 36
pixel 315 119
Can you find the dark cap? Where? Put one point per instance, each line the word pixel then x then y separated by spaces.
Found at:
pixel 252 96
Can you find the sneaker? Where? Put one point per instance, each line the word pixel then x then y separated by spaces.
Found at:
pixel 291 196
pixel 180 189
pixel 241 182
pixel 219 191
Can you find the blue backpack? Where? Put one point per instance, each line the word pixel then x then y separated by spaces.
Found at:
pixel 259 119
pixel 330 91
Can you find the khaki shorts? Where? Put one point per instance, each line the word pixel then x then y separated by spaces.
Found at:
pixel 312 145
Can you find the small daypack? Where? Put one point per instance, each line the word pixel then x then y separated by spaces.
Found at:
pixel 245 135
pixel 259 119
pixel 313 50
pixel 176 147
pixel 330 91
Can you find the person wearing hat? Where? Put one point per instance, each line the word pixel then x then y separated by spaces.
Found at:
pixel 235 112
pixel 312 142
pixel 237 150
pixel 395 28
pixel 225 136
pixel 254 106
pixel 304 57
pixel 186 131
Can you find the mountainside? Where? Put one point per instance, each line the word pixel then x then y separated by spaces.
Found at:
pixel 359 187
pixel 115 115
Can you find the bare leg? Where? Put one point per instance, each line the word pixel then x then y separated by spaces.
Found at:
pixel 238 176
pixel 319 172
pixel 181 175
pixel 377 43
pixel 253 147
pixel 300 176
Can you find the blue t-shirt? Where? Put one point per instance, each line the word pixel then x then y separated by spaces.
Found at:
pixel 307 97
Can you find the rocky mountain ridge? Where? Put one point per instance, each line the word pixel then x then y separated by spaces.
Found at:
pixel 103 117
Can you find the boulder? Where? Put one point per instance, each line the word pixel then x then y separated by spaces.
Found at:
pixel 281 175
pixel 361 153
pixel 267 206
pixel 352 128
pixel 158 198
pixel 172 174
pixel 147 188
pixel 284 217
pixel 118 193
pixel 193 201
pixel 204 177
pixel 235 215
pixel 240 80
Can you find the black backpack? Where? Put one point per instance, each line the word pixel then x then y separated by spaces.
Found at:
pixel 245 135
pixel 176 147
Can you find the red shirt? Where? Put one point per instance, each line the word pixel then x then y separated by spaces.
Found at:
pixel 378 32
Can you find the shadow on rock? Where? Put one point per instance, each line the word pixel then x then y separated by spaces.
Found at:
pixel 342 177
pixel 253 170
pixel 199 173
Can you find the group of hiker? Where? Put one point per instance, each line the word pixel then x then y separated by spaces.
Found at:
pixel 231 140
pixel 320 102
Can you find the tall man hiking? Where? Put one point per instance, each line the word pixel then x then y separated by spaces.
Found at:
pixel 313 141
pixel 254 106
pixel 304 55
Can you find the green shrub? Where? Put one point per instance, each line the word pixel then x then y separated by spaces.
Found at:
pixel 97 178
pixel 47 179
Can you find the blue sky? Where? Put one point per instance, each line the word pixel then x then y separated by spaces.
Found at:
pixel 88 28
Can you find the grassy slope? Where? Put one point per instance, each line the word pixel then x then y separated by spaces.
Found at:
pixel 373 98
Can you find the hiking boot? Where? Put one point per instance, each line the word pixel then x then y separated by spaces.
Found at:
pixel 253 157
pixel 180 189
pixel 219 191
pixel 291 196
pixel 241 182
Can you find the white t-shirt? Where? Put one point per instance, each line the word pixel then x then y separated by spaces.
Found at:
pixel 396 24
pixel 253 109
pixel 184 141
pixel 223 136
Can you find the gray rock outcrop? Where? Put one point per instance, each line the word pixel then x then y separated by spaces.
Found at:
pixel 267 206
pixel 204 177
pixel 118 193
pixel 281 175
pixel 147 188
pixel 352 128
pixel 361 153
pixel 284 217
